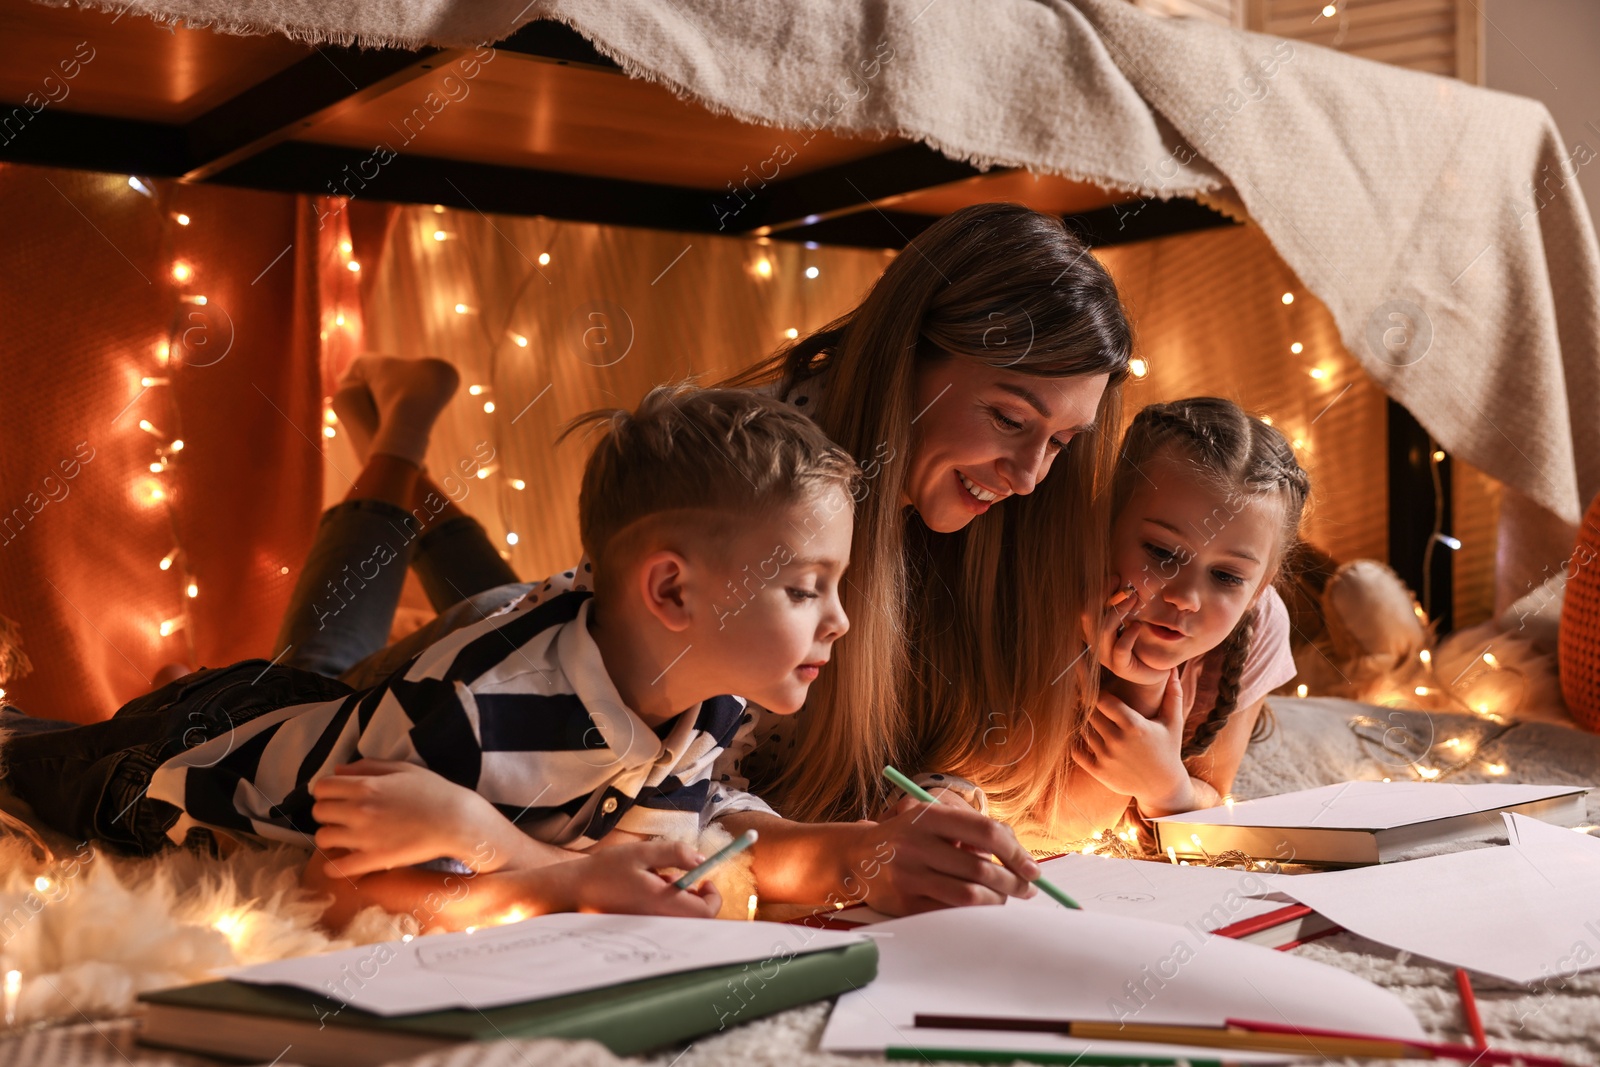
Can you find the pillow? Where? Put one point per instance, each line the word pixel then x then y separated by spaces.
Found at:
pixel 1537 615
pixel 1580 625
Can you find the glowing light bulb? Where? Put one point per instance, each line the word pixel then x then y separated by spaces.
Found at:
pixel 197 300
pixel 157 467
pixel 764 267
pixel 42 884
pixel 149 427
pixel 791 333
pixel 167 560
pixel 193 590
pixel 171 626
pixel 182 219
pixel 330 416
pixel 476 390
pixel 1421 690
pixel 1297 348
pixel 1088 850
pixel 1425 656
pixel 1329 11
pixel 1438 455
pixel 140 187
pixel 1318 373
pixel 149 382
pixel 176 446
pixel 1301 690
pixel 163 353
pixel 511 538
pixel 346 247
pixel 182 272
pixel 329 432
pixel 519 340
pixel 484 472
pixel 353 267
pixel 283 570
pixel 488 407
pixel 461 309
pixel 1488 657
pixel 1299 442
pixel 1495 768
pixel 544 259
pixel 750 908
pixel 440 235
pixel 338 320
pixel 1454 742
pixel 1266 420
pixel 438 209
pixel 1429 773
pixel 1172 854
pixel 518 483
pixel 1138 368
pixel 1288 298
pixel 812 272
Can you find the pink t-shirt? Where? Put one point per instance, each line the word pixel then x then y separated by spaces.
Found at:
pixel 1267 665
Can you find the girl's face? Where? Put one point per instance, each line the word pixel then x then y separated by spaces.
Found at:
pixel 983 434
pixel 1197 559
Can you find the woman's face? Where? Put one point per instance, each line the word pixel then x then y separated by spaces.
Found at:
pixel 983 434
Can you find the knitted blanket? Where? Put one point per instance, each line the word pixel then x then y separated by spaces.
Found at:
pixel 1439 222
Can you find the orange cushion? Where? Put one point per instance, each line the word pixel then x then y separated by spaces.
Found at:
pixel 1579 649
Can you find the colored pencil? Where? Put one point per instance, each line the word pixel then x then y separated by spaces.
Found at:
pixel 1434 1049
pixel 1120 595
pixel 1169 1034
pixel 1069 1059
pixel 1047 887
pixel 727 852
pixel 1469 1008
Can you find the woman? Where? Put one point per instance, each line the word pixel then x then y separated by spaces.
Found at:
pixel 990 353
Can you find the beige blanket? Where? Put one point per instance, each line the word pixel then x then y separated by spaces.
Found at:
pixel 1441 223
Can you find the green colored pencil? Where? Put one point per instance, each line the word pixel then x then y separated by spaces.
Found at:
pixel 1047 887
pixel 727 852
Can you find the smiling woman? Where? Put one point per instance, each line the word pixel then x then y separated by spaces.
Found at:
pixel 982 358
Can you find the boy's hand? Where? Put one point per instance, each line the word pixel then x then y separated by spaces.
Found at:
pixel 623 880
pixel 928 856
pixel 1137 756
pixel 389 814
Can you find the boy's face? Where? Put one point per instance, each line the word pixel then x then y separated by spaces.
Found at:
pixel 1197 560
pixel 775 610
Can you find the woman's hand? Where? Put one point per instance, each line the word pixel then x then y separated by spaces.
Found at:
pixel 1136 756
pixel 927 856
pixel 389 814
pixel 1111 634
pixel 623 880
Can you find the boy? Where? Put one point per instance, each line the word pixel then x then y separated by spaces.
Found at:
pixel 586 720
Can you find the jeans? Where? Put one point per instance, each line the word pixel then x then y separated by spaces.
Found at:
pixel 342 608
pixel 90 782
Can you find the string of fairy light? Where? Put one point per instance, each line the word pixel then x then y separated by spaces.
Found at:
pixel 433 231
pixel 166 429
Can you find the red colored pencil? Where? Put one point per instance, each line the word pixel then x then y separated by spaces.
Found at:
pixel 1257 923
pixel 1437 1049
pixel 1469 1008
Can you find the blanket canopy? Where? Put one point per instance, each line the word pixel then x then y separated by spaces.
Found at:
pixel 1466 281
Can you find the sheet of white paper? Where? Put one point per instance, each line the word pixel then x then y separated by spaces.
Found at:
pixel 1208 897
pixel 1526 912
pixel 1372 805
pixel 548 956
pixel 1062 964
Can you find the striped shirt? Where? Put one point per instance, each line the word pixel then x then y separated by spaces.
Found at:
pixel 517 707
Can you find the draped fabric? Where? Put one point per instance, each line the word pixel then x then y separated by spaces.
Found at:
pixel 88 300
pixel 609 314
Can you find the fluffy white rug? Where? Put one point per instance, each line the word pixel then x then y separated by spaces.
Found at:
pixel 105 929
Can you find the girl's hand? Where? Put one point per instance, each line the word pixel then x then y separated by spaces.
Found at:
pixel 1111 634
pixel 390 814
pixel 1135 756
pixel 623 879
pixel 928 856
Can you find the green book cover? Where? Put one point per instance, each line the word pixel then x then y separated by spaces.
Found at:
pixel 628 1018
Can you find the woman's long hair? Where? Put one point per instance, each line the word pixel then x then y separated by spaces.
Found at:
pixel 965 653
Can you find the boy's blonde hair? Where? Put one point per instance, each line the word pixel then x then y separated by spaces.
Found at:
pixel 685 452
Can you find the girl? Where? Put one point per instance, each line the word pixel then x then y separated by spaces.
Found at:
pixel 1207 500
pixel 973 384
